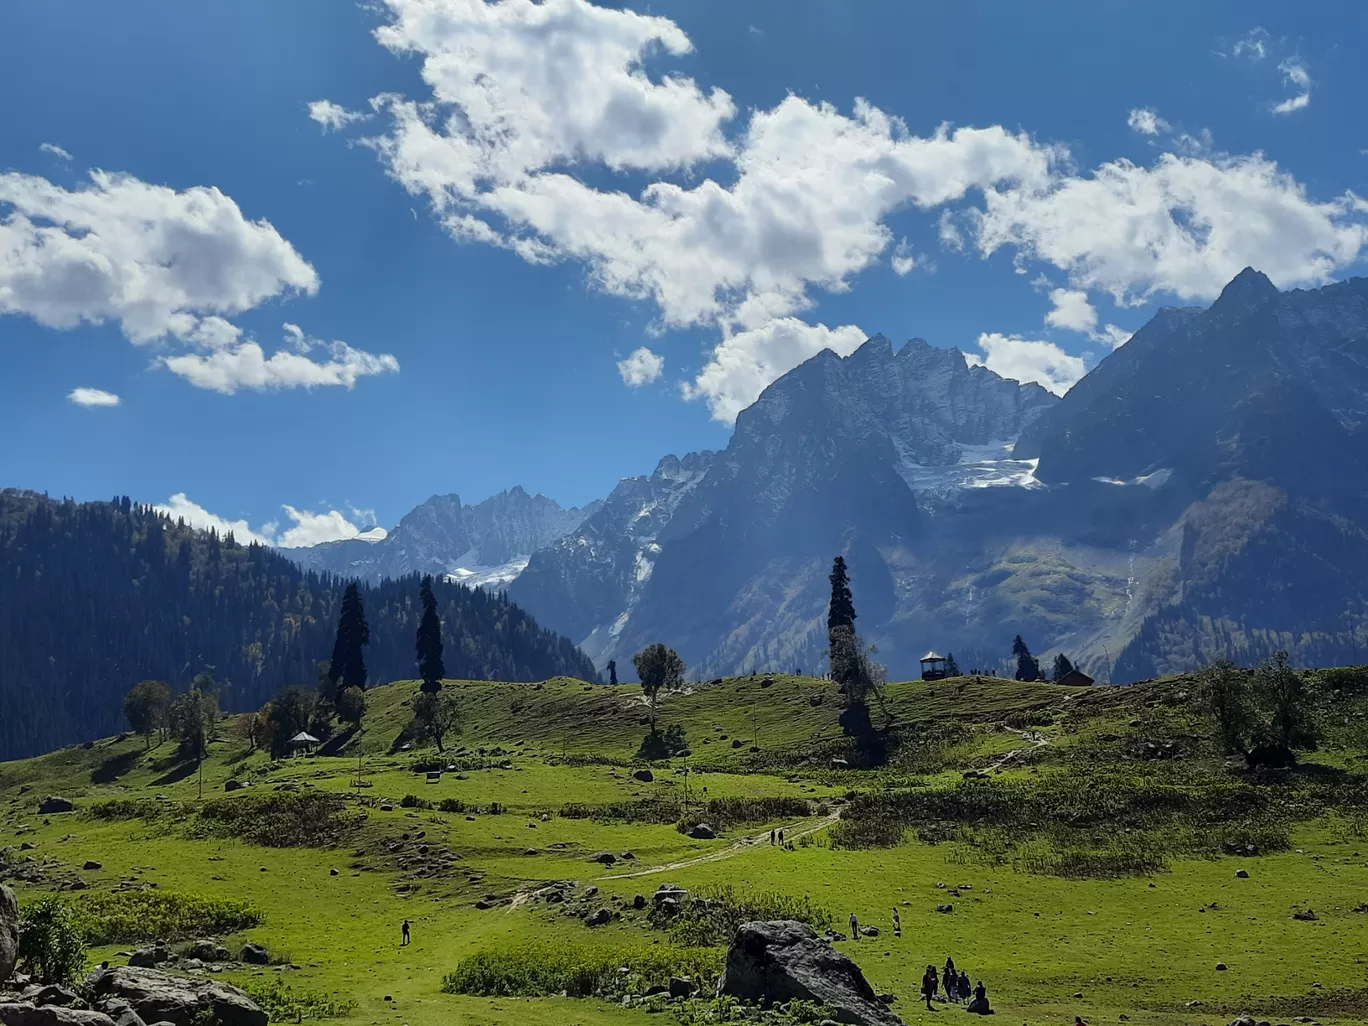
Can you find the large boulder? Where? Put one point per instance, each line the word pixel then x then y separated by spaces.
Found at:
pixel 23 1013
pixel 9 932
pixel 54 803
pixel 784 960
pixel 163 997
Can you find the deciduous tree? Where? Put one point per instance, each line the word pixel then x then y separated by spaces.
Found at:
pixel 658 667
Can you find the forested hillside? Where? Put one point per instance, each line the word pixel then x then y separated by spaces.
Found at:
pixel 97 596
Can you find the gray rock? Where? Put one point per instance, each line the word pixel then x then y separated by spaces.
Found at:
pixel 703 832
pixel 600 918
pixel 945 908
pixel 159 996
pixel 209 951
pixel 121 1012
pixel 9 932
pixel 784 960
pixel 255 954
pixel 644 775
pixel 52 803
pixel 52 994
pixel 1242 874
pixel 22 1013
pixel 682 987
pixel 607 858
pixel 150 957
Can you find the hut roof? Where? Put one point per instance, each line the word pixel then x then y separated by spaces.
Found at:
pixel 932 655
pixel 303 738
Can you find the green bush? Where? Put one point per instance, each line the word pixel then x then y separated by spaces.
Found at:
pixel 285 819
pixel 535 969
pixel 284 1003
pixel 51 948
pixel 128 917
pixel 712 915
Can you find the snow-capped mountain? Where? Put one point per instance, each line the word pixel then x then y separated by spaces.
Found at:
pixel 486 544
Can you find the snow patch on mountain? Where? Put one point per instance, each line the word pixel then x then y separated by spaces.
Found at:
pixel 989 465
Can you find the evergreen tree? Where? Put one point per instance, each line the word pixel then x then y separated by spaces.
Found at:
pixel 951 667
pixel 612 672
pixel 348 669
pixel 1028 666
pixel 658 667
pixel 843 647
pixel 429 642
pixel 841 610
pixel 145 707
pixel 1062 667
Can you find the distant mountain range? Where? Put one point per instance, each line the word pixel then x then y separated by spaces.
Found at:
pixel 1199 493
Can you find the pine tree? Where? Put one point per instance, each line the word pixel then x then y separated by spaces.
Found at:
pixel 841 611
pixel 1062 667
pixel 1028 666
pixel 843 646
pixel 348 669
pixel 612 672
pixel 951 667
pixel 429 642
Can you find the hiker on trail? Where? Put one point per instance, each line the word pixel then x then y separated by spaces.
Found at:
pixel 965 988
pixel 928 987
pixel 897 924
pixel 781 838
pixel 771 837
pixel 979 1006
pixel 405 928
pixel 854 927
pixel 951 983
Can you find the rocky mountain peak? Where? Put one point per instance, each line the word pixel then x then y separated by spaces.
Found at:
pixel 1246 289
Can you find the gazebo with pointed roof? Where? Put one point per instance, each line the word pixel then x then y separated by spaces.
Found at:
pixel 932 666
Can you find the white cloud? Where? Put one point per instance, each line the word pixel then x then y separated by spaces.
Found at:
pixel 1027 360
pixel 315 528
pixel 309 528
pixel 1254 45
pixel 147 256
pixel 1146 121
pixel 55 150
pixel 1184 226
pixel 904 260
pixel 1296 76
pixel 92 397
pixel 180 506
pixel 230 365
pixel 333 116
pixel 1071 311
pixel 1114 336
pixel 641 368
pixel 745 363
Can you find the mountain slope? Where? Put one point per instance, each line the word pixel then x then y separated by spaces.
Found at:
pixel 101 595
pixel 487 543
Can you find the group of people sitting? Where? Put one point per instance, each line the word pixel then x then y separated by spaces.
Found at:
pixel 955 983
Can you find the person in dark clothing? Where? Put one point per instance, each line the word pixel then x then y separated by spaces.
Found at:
pixel 928 987
pixel 950 981
pixel 405 928
pixel 979 1006
pixel 964 988
pixel 771 837
pixel 781 838
pixel 897 924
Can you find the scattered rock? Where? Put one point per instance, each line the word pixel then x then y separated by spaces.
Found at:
pixel 151 956
pixel 644 775
pixel 869 931
pixel 232 785
pixel 945 908
pixel 682 987
pixel 781 961
pixel 531 851
pixel 639 902
pixel 255 954
pixel 606 858
pixel 9 932
pixel 121 1012
pixel 160 997
pixel 1221 967
pixel 1307 916
pixel 91 865
pixel 1243 874
pixel 702 832
pixel 333 872
pixel 737 743
pixel 602 917
pixel 52 994
pixel 22 1013
pixel 627 856
pixel 52 804
pixel 209 951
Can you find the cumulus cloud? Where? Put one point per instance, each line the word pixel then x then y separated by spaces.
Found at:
pixel 641 368
pixel 333 116
pixel 745 362
pixel 55 150
pixel 1146 121
pixel 904 260
pixel 1297 77
pixel 309 528
pixel 1071 310
pixel 228 364
pixel 153 259
pixel 92 397
pixel 1027 360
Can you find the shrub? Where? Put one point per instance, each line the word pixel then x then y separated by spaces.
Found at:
pixel 309 819
pixel 50 945
pixel 711 917
pixel 724 813
pixel 284 1003
pixel 412 801
pixel 128 917
pixel 535 969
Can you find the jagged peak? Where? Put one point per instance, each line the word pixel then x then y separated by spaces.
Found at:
pixel 1247 287
pixel 873 347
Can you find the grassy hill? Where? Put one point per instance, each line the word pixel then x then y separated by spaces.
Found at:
pixel 1083 837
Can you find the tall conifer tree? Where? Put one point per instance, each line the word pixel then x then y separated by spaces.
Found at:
pixel 348 669
pixel 429 641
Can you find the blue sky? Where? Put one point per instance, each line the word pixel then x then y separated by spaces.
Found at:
pixel 332 258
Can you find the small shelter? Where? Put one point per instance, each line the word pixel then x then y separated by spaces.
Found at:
pixel 933 666
pixel 303 743
pixel 1076 678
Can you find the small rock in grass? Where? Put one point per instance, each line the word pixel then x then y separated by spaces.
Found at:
pixel 1221 967
pixel 1242 874
pixel 945 908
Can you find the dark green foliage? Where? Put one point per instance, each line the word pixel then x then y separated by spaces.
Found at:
pixel 1273 708
pixel 50 946
pixel 284 1002
pixel 533 969
pixel 131 917
pixel 192 719
pixel 1225 690
pixel 307 819
pixel 288 714
pixel 951 667
pixel 658 667
pixel 159 600
pixel 348 668
pixel 431 669
pixel 663 744
pixel 146 705
pixel 351 706
pixel 435 716
pixel 1028 666
pixel 712 919
pixel 841 609
pixel 1062 668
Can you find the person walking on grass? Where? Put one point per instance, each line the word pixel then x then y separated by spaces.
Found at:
pixel 928 986
pixel 966 989
pixel 897 924
pixel 781 838
pixel 405 928
pixel 854 927
pixel 771 838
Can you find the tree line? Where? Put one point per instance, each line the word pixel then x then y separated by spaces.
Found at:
pixel 98 596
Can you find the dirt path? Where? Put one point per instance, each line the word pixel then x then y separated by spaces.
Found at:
pixel 1034 740
pixel 791 833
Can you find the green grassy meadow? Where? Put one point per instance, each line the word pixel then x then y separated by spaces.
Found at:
pixel 1137 947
